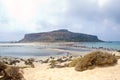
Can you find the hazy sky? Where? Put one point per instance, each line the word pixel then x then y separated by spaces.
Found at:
pixel 97 17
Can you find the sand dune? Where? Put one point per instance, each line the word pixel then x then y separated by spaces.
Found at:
pixel 43 72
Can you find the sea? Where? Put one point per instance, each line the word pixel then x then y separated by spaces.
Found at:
pixel 113 45
pixel 40 51
pixel 26 51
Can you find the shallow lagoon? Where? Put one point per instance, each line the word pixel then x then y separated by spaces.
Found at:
pixel 33 50
pixel 27 51
pixel 50 49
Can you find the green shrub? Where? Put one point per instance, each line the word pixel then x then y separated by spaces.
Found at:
pixel 97 58
pixel 74 62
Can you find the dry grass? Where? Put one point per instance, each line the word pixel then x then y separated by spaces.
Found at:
pixel 53 63
pixel 10 72
pixel 74 62
pixel 97 58
pixel 117 57
pixel 30 62
pixel 118 50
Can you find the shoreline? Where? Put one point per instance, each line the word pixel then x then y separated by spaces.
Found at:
pixel 59 47
pixel 42 70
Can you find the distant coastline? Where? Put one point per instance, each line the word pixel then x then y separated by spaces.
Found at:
pixel 61 35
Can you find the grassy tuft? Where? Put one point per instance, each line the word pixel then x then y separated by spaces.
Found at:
pixel 10 72
pixel 53 63
pixel 118 51
pixel 97 58
pixel 74 62
pixel 30 62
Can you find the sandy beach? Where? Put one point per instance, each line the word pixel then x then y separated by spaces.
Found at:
pixel 43 72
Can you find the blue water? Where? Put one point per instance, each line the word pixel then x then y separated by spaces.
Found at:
pixel 20 51
pixel 110 45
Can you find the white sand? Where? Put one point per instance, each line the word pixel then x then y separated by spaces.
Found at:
pixel 43 72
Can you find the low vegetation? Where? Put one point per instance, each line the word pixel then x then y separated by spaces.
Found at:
pixel 30 62
pixel 117 57
pixel 10 72
pixel 59 63
pixel 53 63
pixel 118 50
pixel 91 60
pixel 74 62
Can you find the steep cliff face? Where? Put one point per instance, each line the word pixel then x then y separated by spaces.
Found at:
pixel 59 35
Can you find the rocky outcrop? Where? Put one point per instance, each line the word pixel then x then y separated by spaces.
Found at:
pixel 58 36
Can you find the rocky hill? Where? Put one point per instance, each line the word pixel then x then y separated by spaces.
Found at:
pixel 59 35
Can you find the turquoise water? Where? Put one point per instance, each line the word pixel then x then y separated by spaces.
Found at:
pixel 111 45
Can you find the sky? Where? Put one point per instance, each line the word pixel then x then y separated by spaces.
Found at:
pixel 96 17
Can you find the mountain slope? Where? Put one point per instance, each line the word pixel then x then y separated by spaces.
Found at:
pixel 59 35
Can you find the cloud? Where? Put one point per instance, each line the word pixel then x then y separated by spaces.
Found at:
pixel 93 18
pixel 21 10
pixel 97 17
